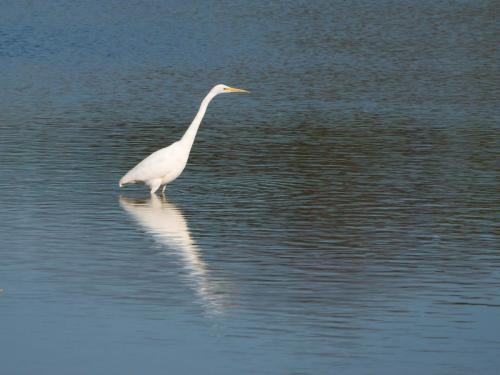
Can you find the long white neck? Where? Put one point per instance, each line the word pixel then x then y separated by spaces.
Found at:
pixel 190 133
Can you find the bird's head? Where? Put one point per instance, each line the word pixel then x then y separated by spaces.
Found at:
pixel 222 89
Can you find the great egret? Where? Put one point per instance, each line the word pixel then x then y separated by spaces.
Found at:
pixel 165 165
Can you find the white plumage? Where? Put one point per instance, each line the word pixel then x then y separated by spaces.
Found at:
pixel 165 165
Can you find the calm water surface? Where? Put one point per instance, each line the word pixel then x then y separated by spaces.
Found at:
pixel 341 219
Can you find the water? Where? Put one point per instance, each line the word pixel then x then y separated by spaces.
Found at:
pixel 343 218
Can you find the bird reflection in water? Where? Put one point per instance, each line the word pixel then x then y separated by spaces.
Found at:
pixel 168 226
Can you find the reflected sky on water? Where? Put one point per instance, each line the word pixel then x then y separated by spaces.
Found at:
pixel 343 218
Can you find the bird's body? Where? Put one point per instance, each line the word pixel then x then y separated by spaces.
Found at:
pixel 159 168
pixel 165 165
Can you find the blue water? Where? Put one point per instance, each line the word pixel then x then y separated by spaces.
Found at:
pixel 340 219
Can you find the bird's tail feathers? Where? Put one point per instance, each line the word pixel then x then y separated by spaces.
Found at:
pixel 125 180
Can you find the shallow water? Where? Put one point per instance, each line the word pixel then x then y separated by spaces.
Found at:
pixel 343 218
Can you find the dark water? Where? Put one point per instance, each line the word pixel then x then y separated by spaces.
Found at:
pixel 341 219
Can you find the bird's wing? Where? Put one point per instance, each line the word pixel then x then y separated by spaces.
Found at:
pixel 156 165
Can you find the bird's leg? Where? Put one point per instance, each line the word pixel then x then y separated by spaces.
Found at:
pixel 163 190
pixel 154 185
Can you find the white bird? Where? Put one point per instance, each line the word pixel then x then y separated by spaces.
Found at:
pixel 165 165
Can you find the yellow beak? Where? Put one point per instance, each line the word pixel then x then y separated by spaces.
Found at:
pixel 234 89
